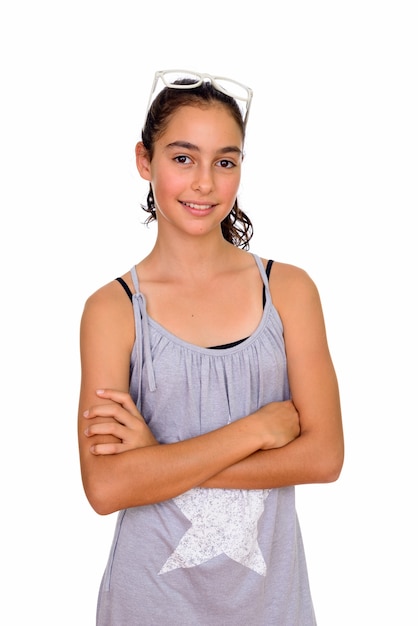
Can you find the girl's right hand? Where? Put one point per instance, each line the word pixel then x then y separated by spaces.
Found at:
pixel 280 423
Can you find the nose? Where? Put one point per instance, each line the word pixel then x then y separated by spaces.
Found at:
pixel 203 180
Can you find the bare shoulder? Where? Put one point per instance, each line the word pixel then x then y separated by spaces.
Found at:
pixel 110 295
pixel 292 289
pixel 109 309
pixel 287 278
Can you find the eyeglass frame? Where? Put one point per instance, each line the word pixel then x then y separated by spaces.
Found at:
pixel 202 77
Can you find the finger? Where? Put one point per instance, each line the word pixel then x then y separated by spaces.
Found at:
pixel 121 397
pixel 115 411
pixel 106 428
pixel 100 410
pixel 102 449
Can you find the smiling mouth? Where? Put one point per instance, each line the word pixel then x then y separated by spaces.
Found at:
pixel 198 207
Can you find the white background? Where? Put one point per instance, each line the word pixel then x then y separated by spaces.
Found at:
pixel 330 182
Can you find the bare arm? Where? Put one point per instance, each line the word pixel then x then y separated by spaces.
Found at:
pixel 317 455
pixel 152 472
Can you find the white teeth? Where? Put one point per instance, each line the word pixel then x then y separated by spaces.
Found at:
pixel 199 207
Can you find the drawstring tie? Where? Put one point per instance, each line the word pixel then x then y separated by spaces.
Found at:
pixel 143 344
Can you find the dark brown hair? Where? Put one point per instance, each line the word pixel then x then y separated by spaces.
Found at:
pixel 236 226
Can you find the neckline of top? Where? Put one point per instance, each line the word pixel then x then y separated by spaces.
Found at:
pixel 140 299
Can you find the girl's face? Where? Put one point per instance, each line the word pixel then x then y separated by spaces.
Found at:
pixel 196 168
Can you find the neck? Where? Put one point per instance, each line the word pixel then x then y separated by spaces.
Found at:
pixel 193 259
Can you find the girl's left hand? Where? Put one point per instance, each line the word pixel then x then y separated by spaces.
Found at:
pixel 122 420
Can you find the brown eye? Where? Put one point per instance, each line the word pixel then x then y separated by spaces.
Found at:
pixel 226 163
pixel 183 159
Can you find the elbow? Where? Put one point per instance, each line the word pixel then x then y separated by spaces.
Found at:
pixel 100 499
pixel 331 467
pixel 332 474
pixel 107 496
pixel 101 507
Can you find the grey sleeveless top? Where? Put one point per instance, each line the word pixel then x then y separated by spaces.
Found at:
pixel 209 557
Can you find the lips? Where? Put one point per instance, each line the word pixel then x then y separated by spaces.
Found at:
pixel 198 207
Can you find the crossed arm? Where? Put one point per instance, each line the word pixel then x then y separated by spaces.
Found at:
pixel 281 444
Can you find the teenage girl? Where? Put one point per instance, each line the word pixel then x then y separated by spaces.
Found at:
pixel 207 391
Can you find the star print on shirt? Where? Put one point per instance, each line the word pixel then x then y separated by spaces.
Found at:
pixel 223 522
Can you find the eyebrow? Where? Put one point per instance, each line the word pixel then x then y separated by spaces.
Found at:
pixel 191 146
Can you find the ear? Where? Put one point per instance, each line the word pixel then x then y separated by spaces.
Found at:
pixel 143 163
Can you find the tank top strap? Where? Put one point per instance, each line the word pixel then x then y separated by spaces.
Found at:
pixel 142 338
pixel 264 276
pixel 135 280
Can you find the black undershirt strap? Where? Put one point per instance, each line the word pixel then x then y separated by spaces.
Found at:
pixel 125 286
pixel 268 270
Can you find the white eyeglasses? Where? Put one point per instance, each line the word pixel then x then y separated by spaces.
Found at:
pixel 229 87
